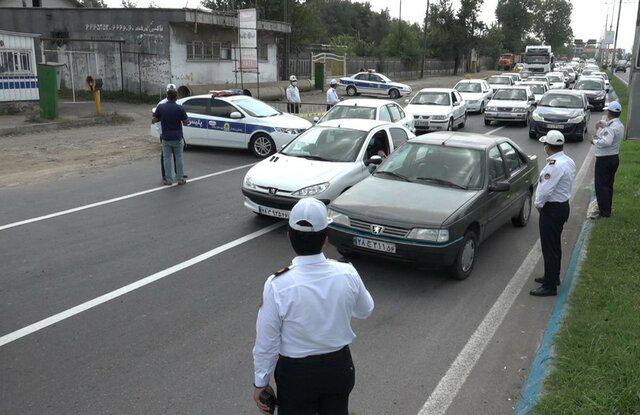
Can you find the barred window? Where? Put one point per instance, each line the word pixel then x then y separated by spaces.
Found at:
pixel 263 52
pixel 208 51
pixel 15 61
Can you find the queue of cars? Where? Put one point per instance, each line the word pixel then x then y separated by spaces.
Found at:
pixel 430 199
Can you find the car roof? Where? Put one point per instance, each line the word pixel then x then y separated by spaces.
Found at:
pixel 500 76
pixel 355 124
pixel 523 87
pixel 364 102
pixel 437 90
pixel 459 139
pixel 533 83
pixel 471 81
pixel 591 78
pixel 225 98
pixel 564 92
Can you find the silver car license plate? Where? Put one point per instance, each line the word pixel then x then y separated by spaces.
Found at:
pixel 556 126
pixel 374 245
pixel 276 213
pixel 421 123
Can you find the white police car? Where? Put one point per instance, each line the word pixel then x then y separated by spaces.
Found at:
pixel 374 84
pixel 237 121
pixel 369 109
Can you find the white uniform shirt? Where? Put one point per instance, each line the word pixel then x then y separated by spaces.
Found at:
pixel 307 311
pixel 608 138
pixel 293 94
pixel 332 96
pixel 556 180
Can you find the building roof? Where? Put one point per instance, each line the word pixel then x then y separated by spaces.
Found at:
pixel 23 34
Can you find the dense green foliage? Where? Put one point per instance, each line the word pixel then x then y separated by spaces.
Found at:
pixel 453 28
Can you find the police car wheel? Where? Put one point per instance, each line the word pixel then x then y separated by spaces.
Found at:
pixel 466 258
pixel 464 121
pixel 525 213
pixel 351 91
pixel 261 145
pixel 394 94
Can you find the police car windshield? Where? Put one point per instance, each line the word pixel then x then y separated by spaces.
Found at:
pixel 256 108
pixel 435 165
pixel 431 98
pixel 336 144
pixel 350 111
pixel 511 95
pixel 500 80
pixel 589 85
pixel 561 101
pixel 468 87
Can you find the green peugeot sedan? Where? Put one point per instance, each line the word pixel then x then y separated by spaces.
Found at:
pixel 435 199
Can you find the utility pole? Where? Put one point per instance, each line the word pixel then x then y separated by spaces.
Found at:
pixel 424 41
pixel 615 40
pixel 399 27
pixel 633 114
pixel 287 45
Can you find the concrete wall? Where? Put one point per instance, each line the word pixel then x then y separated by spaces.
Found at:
pixel 44 3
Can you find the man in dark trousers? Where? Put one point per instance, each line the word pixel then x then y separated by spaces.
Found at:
pixel 171 117
pixel 303 329
pixel 552 200
pixel 607 141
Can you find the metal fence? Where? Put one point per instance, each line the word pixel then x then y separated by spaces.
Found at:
pixel 308 110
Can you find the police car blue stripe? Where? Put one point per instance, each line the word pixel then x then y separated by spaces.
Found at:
pixel 229 126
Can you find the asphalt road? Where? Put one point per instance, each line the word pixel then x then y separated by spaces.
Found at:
pixel 624 76
pixel 182 344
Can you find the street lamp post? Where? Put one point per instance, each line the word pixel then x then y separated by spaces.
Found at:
pixel 633 113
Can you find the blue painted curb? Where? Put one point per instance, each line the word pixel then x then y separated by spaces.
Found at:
pixel 540 367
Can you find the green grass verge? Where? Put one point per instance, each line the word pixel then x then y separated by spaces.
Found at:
pixel 623 94
pixel 597 369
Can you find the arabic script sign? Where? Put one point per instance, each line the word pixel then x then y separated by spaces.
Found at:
pixel 248 40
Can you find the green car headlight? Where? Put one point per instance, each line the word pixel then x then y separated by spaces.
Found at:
pixel 430 235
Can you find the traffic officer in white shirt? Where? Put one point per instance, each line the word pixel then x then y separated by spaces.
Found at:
pixel 293 96
pixel 552 200
pixel 332 94
pixel 607 141
pixel 303 330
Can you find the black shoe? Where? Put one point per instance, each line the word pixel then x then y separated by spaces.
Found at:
pixel 166 183
pixel 181 182
pixel 543 291
pixel 541 280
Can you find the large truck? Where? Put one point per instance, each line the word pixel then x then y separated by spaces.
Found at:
pixel 507 61
pixel 538 59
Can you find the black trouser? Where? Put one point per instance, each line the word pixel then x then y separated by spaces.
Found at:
pixel 293 107
pixel 315 385
pixel 605 174
pixel 553 216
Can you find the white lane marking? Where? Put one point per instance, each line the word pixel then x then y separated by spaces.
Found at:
pixel 32 328
pixel 625 82
pixel 115 199
pixel 495 130
pixel 450 384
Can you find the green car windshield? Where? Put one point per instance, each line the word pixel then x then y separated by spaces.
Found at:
pixel 439 165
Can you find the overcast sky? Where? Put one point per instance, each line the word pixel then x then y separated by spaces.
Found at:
pixel 587 21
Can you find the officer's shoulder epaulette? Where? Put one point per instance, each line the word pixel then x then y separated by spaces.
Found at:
pixel 552 162
pixel 281 271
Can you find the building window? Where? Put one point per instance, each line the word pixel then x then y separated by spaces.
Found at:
pixel 263 52
pixel 208 51
pixel 15 62
pixel 36 3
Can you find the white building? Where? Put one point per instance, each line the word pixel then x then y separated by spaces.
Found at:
pixel 18 72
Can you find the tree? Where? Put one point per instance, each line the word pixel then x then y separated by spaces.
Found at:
pixel 403 41
pixel 552 22
pixel 491 42
pixel 514 18
pixel 469 28
pixel 129 4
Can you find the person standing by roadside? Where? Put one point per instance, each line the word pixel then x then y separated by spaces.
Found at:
pixel 171 117
pixel 332 94
pixel 552 200
pixel 303 329
pixel 293 96
pixel 170 87
pixel 607 141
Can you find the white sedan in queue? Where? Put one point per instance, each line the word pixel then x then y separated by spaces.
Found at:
pixel 436 109
pixel 476 93
pixel 368 109
pixel 322 162
pixel 237 121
